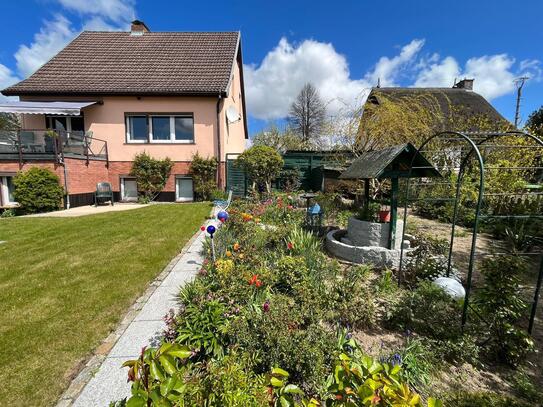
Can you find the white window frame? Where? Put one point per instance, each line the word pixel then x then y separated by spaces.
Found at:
pixel 122 180
pixel 177 198
pixel 172 138
pixel 4 192
pixel 129 139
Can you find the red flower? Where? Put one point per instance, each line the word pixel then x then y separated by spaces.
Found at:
pixel 266 306
pixel 258 283
pixel 290 207
pixel 254 280
pixel 290 246
pixel 202 228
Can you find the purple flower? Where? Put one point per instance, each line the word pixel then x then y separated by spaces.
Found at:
pixel 266 306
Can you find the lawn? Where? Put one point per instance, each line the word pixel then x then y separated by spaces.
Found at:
pixel 65 284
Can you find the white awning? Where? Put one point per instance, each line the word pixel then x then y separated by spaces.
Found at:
pixel 62 108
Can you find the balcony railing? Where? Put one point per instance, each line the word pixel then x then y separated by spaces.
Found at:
pixel 25 145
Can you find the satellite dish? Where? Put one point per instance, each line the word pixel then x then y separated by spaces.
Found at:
pixel 451 287
pixel 232 114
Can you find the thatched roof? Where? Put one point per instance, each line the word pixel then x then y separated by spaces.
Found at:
pixel 452 101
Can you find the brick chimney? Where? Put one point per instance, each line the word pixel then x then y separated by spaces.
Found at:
pixel 466 84
pixel 138 28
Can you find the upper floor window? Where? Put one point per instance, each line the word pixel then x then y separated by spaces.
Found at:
pixel 160 128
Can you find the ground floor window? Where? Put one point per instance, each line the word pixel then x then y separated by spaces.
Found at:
pixel 183 189
pixel 6 191
pixel 129 189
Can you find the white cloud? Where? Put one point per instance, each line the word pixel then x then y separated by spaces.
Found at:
pixel 493 75
pixel 7 78
pixel 52 37
pixel 272 86
pixel 387 70
pixel 438 74
pixel 104 15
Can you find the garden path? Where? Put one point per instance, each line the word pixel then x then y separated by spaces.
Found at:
pixel 103 379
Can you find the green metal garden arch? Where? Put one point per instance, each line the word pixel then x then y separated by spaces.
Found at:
pixel 476 144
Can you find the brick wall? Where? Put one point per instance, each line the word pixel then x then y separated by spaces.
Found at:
pixel 122 168
pixel 82 178
pixel 12 167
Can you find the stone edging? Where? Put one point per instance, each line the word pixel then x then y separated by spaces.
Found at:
pixel 100 353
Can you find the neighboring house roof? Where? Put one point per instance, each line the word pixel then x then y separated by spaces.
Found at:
pixel 462 101
pixel 155 63
pixel 390 162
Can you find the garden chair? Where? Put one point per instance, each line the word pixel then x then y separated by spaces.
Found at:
pixel 222 204
pixel 103 192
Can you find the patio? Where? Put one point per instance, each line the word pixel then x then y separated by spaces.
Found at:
pixel 87 210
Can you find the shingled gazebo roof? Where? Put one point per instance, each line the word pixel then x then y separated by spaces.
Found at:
pixel 391 162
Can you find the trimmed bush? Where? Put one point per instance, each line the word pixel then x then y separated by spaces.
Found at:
pixel 263 164
pixel 203 172
pixel 37 190
pixel 151 175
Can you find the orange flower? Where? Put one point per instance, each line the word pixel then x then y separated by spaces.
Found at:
pixel 236 247
pixel 241 256
pixel 228 253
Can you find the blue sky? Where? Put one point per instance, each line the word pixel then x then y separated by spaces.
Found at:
pixel 342 47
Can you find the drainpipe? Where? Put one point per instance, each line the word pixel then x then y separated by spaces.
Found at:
pixel 219 99
pixel 61 161
pixel 66 185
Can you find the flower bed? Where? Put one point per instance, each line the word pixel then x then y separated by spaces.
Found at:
pixel 270 322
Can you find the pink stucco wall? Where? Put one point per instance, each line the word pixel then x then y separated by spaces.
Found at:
pixel 107 122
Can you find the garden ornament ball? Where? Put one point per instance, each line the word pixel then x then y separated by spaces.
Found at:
pixel 451 287
pixel 211 230
pixel 222 216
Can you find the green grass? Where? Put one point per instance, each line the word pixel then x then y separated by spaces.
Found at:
pixel 66 282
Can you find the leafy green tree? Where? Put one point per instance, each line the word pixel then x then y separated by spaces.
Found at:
pixel 203 172
pixel 263 164
pixel 151 175
pixel 37 190
pixel 9 121
pixel 534 123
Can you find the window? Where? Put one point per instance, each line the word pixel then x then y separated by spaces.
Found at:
pixel 183 189
pixel 6 191
pixel 129 189
pixel 66 123
pixel 184 129
pixel 137 129
pixel 160 128
pixel 157 128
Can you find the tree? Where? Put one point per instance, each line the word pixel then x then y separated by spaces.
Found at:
pixel 534 124
pixel 9 121
pixel 151 175
pixel 278 140
pixel 262 164
pixel 307 114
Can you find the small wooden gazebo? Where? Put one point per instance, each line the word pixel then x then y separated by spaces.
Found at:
pixel 390 163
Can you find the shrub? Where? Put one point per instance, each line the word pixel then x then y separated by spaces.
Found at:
pixel 289 179
pixel 262 165
pixel 8 213
pixel 428 310
pixel 203 327
pixel 500 302
pixel 151 175
pixel 203 172
pixel 37 190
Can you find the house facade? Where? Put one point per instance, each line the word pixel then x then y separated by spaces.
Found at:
pixel 108 96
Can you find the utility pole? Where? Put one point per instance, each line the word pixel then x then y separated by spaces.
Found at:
pixel 519 83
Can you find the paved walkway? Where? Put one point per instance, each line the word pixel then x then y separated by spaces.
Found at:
pixel 89 210
pixel 103 379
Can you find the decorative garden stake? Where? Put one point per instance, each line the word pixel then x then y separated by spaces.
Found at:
pixel 211 230
pixel 222 216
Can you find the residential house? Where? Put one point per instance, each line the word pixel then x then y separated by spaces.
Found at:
pixel 108 96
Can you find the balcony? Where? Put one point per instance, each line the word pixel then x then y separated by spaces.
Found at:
pixel 54 145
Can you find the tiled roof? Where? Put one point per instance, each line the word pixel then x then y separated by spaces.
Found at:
pixel 158 63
